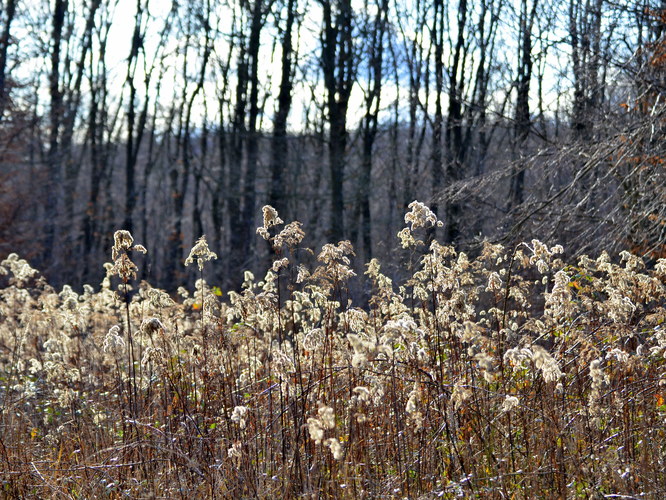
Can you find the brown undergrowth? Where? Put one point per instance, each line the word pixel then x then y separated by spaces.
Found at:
pixel 513 375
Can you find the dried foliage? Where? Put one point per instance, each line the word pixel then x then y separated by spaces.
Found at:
pixel 511 375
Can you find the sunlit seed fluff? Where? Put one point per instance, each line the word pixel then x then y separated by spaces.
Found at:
pixel 151 326
pixel 235 451
pixel 597 374
pixel 459 395
pixel 239 416
pixel 122 240
pixel 510 402
pixel 406 238
pixel 152 355
pixel 632 262
pixel 335 447
pixel 421 216
pixel 494 282
pixel 291 236
pixel 200 254
pixel 618 354
pixel 279 264
pixel 550 370
pixel 327 417
pixel 412 400
pixel 362 393
pixel 316 429
pixel 271 217
pixel 660 266
pixel 113 340
pixel 303 274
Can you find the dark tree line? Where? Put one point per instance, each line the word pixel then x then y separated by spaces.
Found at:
pixel 512 119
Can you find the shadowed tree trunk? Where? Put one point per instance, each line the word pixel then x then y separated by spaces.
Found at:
pixel 244 144
pixel 369 125
pixel 454 126
pixel 338 66
pixel 279 149
pixel 9 12
pixel 436 167
pixel 523 120
pixel 247 228
pixel 52 247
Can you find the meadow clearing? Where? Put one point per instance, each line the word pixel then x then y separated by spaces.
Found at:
pixel 518 373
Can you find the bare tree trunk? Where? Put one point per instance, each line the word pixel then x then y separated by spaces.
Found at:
pixel 180 177
pixel 10 11
pixel 375 31
pixel 279 149
pixel 454 126
pixel 523 121
pixel 419 82
pixel 247 226
pixel 585 38
pixel 338 66
pixel 436 167
pixel 136 126
pixel 52 240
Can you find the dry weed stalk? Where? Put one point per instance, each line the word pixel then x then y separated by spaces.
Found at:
pixel 513 372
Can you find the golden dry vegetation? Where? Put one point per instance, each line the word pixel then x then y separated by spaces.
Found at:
pixel 515 374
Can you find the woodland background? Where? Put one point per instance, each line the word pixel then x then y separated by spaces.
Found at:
pixel 511 119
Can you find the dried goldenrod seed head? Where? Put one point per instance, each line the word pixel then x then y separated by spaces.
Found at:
pixel 200 253
pixel 122 240
pixel 510 402
pixel 122 264
pixel 152 325
pixel 239 416
pixel 235 451
pixel 123 267
pixel 421 216
pixel 291 236
pixel 280 264
pixel 315 429
pixel 271 217
pixel 335 447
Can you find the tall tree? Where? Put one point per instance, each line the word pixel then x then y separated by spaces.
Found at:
pixel 522 118
pixel 374 35
pixel 339 69
pixel 585 37
pixel 52 247
pixel 8 11
pixel 244 138
pixel 279 149
pixel 455 146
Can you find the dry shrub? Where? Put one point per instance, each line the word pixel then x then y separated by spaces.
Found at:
pixel 515 374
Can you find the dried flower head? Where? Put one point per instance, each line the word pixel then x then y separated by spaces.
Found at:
pixel 315 429
pixel 122 241
pixel 271 217
pixel 122 264
pixel 152 325
pixel 510 402
pixel 113 342
pixel 200 253
pixel 235 451
pixel 421 216
pixel 335 447
pixel 240 416
pixel 291 236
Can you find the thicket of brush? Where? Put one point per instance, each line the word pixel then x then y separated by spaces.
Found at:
pixel 511 375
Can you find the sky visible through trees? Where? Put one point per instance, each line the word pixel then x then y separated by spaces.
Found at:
pixel 511 119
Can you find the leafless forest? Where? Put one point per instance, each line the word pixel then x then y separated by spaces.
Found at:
pixel 332 249
pixel 512 119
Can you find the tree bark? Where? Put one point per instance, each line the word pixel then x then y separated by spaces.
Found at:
pixel 10 11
